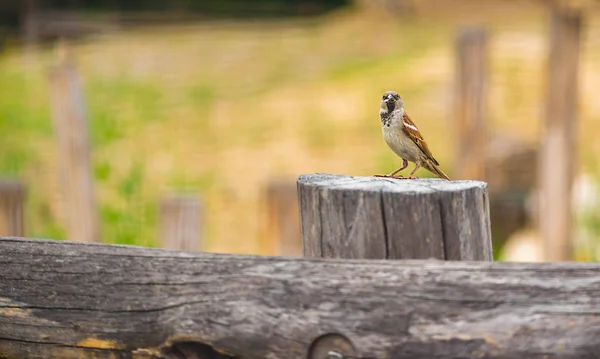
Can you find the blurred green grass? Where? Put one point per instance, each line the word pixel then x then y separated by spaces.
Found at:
pixel 219 109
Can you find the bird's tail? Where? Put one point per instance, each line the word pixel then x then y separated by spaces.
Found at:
pixel 433 168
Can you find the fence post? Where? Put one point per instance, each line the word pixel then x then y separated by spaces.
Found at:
pixel 29 21
pixel 471 47
pixel 380 218
pixel 12 203
pixel 282 219
pixel 180 223
pixel 70 122
pixel 557 155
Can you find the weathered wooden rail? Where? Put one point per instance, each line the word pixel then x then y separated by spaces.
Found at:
pixel 78 300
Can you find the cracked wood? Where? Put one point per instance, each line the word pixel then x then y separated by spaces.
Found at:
pixel 63 299
pixel 383 218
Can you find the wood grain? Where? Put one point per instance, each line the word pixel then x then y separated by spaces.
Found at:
pixel 382 218
pixel 64 299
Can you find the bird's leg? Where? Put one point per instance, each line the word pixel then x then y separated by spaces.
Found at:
pixel 417 166
pixel 404 165
pixel 391 175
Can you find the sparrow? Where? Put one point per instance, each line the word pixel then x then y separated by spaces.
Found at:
pixel 404 138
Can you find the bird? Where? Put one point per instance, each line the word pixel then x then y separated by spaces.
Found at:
pixel 403 137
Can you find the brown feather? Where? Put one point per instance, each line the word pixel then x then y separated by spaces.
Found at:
pixel 411 130
pixel 433 168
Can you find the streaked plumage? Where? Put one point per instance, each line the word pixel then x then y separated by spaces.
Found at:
pixel 403 137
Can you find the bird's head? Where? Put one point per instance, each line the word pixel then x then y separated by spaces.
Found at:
pixel 391 101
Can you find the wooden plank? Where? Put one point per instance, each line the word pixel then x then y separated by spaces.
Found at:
pixel 180 218
pixel 557 156
pixel 12 203
pixel 70 123
pixel 63 299
pixel 471 51
pixel 370 217
pixel 282 219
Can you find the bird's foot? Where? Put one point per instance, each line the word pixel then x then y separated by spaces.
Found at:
pixel 413 177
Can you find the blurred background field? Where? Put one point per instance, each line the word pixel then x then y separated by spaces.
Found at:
pixel 220 105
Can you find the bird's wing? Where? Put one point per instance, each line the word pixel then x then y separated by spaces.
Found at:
pixel 411 130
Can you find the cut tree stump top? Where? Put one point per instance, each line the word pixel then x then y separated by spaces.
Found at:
pixel 382 184
pixel 372 217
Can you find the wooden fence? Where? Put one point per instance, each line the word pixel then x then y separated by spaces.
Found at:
pixel 65 299
pixel 392 269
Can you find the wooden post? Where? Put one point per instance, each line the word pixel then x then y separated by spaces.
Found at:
pixel 29 18
pixel 282 219
pixel 470 104
pixel 180 223
pixel 69 114
pixel 12 203
pixel 557 155
pixel 377 218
